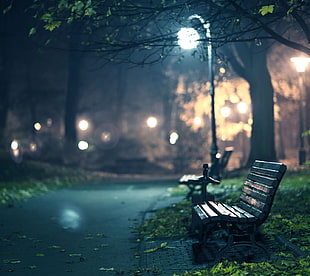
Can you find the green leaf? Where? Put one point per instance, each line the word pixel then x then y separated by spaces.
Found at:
pixel 106 269
pixel 7 9
pixel 54 246
pixel 40 255
pixel 12 261
pixel 52 25
pixel 266 9
pixel 109 13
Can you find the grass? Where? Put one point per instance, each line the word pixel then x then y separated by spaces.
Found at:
pixel 289 217
pixel 20 182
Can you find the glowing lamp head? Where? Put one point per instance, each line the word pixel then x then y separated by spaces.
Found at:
pixel 188 38
pixel 300 63
pixel 83 145
pixel 83 125
pixel 151 122
pixel 242 107
pixel 14 145
pixel 37 126
pixel 174 136
pixel 225 111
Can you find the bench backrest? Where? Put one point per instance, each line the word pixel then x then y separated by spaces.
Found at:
pixel 260 187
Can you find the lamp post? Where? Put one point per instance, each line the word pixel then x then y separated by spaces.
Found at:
pixel 189 42
pixel 301 65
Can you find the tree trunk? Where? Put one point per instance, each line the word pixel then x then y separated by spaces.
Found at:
pixel 250 63
pixel 261 91
pixel 4 78
pixel 72 97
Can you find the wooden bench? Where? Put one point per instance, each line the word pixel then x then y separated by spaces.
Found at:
pixel 238 224
pixel 198 184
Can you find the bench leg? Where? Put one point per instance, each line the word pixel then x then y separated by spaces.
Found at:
pixel 243 246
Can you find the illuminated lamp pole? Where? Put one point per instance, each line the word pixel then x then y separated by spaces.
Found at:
pixel 301 65
pixel 189 39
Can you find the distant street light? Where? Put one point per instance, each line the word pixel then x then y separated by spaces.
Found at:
pixel 225 111
pixel 16 151
pixel 83 145
pixel 151 122
pixel 174 137
pixel 83 125
pixel 37 126
pixel 197 121
pixel 242 107
pixel 193 39
pixel 301 65
pixel 188 38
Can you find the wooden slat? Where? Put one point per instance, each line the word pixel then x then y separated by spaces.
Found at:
pixel 258 186
pixel 272 169
pixel 205 212
pixel 267 172
pixel 253 202
pixel 222 211
pixel 248 215
pixel 206 208
pixel 241 217
pixel 234 215
pixel 263 179
pixel 200 213
pixel 250 209
pixel 269 165
pixel 256 194
pixel 188 177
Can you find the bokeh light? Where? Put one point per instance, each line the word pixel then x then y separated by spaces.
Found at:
pixel 242 107
pixel 37 126
pixel 173 138
pixel 83 145
pixel 151 122
pixel 83 125
pixel 197 121
pixel 225 111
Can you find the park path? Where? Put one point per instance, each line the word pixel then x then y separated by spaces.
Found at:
pixel 84 230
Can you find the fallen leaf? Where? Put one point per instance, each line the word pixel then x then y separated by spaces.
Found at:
pixel 12 261
pixel 106 269
pixel 75 255
pixel 54 246
pixel 40 255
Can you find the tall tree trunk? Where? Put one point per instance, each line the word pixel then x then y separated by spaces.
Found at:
pixel 4 77
pixel 72 95
pixel 261 91
pixel 250 62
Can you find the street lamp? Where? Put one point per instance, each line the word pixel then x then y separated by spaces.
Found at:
pixel 151 122
pixel 301 65
pixel 192 42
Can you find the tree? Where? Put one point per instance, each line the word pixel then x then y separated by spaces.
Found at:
pixel 146 32
pixel 151 27
pixel 4 75
pixel 249 61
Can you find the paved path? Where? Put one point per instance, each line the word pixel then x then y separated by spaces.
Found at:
pixel 86 230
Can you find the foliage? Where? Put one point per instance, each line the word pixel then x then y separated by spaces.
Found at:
pixel 168 222
pixel 289 217
pixel 28 179
pixel 151 26
pixel 285 267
